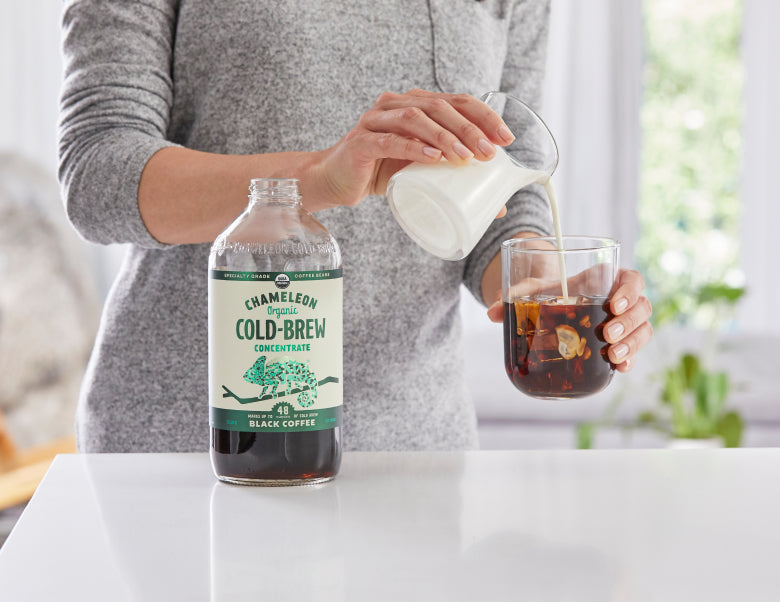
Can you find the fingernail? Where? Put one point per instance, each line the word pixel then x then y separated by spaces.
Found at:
pixel 486 148
pixel 620 351
pixel 461 150
pixel 505 134
pixel 621 305
pixel 615 331
pixel 429 151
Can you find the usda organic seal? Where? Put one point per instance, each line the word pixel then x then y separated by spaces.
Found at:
pixel 282 281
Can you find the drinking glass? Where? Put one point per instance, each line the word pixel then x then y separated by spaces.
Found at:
pixel 554 347
pixel 446 208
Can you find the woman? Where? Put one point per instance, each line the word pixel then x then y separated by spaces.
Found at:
pixel 170 107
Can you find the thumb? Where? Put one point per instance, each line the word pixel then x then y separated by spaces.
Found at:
pixel 495 312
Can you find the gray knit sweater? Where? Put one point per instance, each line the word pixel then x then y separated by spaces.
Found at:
pixel 254 76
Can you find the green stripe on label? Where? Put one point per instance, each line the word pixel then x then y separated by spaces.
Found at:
pixel 281 418
pixel 271 276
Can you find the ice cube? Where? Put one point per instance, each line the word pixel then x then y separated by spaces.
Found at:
pixel 568 341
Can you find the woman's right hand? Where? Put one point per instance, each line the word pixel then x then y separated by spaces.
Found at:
pixel 417 126
pixel 187 196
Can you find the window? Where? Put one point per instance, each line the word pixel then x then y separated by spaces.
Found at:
pixel 689 209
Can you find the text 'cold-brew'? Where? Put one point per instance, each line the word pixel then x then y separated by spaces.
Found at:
pixel 275 343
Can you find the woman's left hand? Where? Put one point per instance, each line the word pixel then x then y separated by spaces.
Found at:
pixel 629 330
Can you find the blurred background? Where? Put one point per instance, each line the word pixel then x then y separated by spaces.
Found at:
pixel 664 113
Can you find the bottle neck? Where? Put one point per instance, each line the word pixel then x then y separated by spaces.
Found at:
pixel 277 191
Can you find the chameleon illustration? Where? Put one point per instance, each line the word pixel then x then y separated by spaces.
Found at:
pixel 283 371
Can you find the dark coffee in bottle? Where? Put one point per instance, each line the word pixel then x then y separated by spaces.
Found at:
pixel 276 457
pixel 275 343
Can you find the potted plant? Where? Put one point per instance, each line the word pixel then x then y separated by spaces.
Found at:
pixel 692 405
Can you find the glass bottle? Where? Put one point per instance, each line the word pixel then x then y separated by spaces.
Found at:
pixel 275 343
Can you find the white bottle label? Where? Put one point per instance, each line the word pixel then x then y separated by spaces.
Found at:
pixel 275 350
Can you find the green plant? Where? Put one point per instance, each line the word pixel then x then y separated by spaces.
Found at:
pixel 692 402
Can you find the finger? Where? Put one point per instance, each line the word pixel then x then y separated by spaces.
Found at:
pixel 627 291
pixel 414 122
pixel 462 125
pixel 626 323
pixel 495 312
pixel 370 146
pixel 597 278
pixel 462 115
pixel 501 213
pixel 623 353
pixel 535 287
pixel 529 287
pixel 478 113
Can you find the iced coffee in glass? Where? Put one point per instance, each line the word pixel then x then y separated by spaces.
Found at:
pixel 555 307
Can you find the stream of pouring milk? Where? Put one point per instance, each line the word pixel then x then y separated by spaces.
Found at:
pixel 550 190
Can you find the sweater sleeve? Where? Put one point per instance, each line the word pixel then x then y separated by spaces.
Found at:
pixel 114 110
pixel 523 77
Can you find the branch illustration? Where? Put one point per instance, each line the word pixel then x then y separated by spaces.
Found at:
pixel 228 393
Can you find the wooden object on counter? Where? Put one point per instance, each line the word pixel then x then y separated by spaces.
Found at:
pixel 22 470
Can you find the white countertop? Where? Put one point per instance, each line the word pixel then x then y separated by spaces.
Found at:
pixel 622 525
